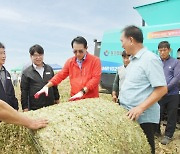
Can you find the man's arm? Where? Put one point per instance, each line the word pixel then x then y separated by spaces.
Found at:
pixel 55 91
pixel 96 76
pixel 24 92
pixel 115 87
pixel 61 75
pixel 12 92
pixel 176 77
pixel 155 96
pixel 116 83
pixel 9 115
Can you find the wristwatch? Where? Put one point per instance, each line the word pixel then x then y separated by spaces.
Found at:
pixel 83 91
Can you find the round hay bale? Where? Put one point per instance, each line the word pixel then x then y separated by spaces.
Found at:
pixel 88 126
pixel 15 140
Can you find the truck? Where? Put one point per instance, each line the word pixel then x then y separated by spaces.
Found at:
pixel 162 24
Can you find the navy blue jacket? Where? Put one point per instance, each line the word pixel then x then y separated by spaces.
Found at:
pixel 8 94
pixel 172 73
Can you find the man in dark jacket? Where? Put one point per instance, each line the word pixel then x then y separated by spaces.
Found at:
pixel 170 101
pixel 178 118
pixel 34 78
pixel 7 93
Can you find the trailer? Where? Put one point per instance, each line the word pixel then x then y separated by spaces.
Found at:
pixel 163 25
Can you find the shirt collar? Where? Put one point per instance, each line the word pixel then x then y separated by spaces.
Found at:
pixel 167 58
pixel 80 61
pixel 139 53
pixel 37 67
pixel 2 68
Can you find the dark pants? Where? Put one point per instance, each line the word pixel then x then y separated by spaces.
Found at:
pixel 178 116
pixel 149 130
pixel 170 103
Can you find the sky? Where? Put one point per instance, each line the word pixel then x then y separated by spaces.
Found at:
pixel 54 23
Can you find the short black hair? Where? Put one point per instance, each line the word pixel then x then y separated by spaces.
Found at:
pixel 164 44
pixel 124 54
pixel 2 45
pixel 36 48
pixel 134 32
pixel 79 40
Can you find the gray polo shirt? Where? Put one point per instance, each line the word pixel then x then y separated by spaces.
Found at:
pixel 143 74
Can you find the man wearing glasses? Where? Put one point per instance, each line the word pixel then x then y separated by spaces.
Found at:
pixel 83 69
pixel 34 78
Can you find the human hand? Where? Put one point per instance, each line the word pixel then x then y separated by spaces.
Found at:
pixel 114 99
pixel 37 124
pixel 134 113
pixel 76 96
pixel 43 90
pixel 56 102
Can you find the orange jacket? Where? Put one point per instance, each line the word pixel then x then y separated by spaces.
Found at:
pixel 88 76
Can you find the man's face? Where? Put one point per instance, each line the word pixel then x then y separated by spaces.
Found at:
pixel 37 59
pixel 126 60
pixel 2 56
pixel 164 53
pixel 79 50
pixel 126 44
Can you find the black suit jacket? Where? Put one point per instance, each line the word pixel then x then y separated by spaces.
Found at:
pixel 7 94
pixel 31 82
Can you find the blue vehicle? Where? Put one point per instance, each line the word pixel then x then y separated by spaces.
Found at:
pixel 163 24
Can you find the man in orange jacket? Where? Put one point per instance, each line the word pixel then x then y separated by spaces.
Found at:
pixel 83 69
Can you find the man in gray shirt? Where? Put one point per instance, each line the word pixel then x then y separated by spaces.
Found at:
pixel 144 83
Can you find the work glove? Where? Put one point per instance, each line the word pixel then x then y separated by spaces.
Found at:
pixel 76 96
pixel 43 90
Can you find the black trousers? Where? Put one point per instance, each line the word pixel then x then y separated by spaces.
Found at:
pixel 178 116
pixel 149 130
pixel 169 104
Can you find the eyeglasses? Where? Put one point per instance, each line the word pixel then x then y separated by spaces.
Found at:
pixel 2 53
pixel 37 55
pixel 80 51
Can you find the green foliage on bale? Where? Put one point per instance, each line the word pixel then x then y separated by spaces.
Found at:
pixel 85 126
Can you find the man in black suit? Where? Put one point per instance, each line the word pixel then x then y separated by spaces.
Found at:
pixel 7 93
